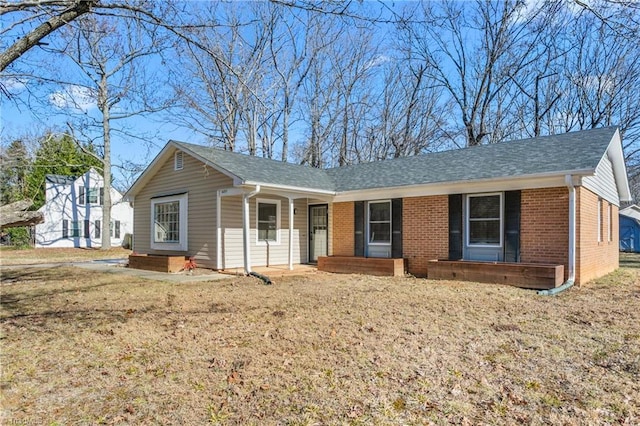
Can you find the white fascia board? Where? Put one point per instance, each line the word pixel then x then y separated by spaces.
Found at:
pixel 616 156
pixel 464 187
pixel 164 155
pixel 300 191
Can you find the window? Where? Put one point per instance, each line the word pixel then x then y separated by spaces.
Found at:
pixel 168 223
pixel 380 222
pixel 609 223
pixel 268 221
pixel 599 220
pixel 484 219
pixel 97 229
pixel 178 161
pixel 90 196
pixel 75 228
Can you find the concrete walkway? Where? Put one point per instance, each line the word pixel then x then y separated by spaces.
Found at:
pixel 118 267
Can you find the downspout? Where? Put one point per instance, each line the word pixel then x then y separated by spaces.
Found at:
pixel 572 242
pixel 246 229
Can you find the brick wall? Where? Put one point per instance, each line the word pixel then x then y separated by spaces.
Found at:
pixel 425 231
pixel 595 258
pixel 544 226
pixel 343 229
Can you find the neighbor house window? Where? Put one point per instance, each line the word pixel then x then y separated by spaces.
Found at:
pixel 75 228
pixel 178 161
pixel 484 219
pixel 268 221
pixel 380 222
pixel 90 196
pixel 169 223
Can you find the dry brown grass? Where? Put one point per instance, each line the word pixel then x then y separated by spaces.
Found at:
pixel 319 349
pixel 11 256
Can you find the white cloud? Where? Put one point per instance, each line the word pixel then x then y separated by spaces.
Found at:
pixel 74 97
pixel 13 84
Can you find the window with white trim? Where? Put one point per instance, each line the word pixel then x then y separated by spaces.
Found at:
pixel 380 222
pixel 484 219
pixel 268 221
pixel 178 160
pixel 168 223
pixel 599 220
pixel 609 223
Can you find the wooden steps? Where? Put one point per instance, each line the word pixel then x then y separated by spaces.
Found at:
pixel 158 263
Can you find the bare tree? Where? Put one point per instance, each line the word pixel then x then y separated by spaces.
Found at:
pixel 113 73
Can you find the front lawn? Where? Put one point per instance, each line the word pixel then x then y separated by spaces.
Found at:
pixel 319 349
pixel 12 256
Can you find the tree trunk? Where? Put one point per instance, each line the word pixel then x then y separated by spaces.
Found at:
pixel 106 161
pixel 33 38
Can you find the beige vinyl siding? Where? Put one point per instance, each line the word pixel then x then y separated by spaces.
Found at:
pixel 201 183
pixel 604 182
pixel 262 254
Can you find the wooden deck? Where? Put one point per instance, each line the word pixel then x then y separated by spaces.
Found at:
pixel 525 275
pixel 362 265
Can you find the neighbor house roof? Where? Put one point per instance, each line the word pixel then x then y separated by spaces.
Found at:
pixel 632 211
pixel 60 179
pixel 576 153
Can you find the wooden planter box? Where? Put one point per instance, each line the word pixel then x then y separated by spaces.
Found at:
pixel 362 265
pixel 156 262
pixel 525 275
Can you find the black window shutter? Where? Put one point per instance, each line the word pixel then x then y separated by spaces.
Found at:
pixel 359 228
pixel 65 228
pixel 455 226
pixel 117 231
pixel 101 196
pixel 512 226
pixel 81 195
pixel 396 228
pixel 97 229
pixel 87 233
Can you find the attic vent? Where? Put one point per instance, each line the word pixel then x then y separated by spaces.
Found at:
pixel 178 161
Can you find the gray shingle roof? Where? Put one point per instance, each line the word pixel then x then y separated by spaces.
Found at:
pixel 263 170
pixel 576 151
pixel 549 154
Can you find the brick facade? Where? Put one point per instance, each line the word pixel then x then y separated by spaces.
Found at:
pixel 544 226
pixel 343 229
pixel 425 231
pixel 544 231
pixel 595 258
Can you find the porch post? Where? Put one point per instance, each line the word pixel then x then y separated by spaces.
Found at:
pixel 245 233
pixel 291 233
pixel 218 230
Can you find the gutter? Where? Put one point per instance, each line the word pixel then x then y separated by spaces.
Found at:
pixel 572 242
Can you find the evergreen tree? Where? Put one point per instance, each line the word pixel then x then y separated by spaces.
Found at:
pixel 58 155
pixel 14 171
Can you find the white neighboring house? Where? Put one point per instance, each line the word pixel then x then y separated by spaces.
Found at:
pixel 73 213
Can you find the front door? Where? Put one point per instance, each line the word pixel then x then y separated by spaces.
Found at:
pixel 318 232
